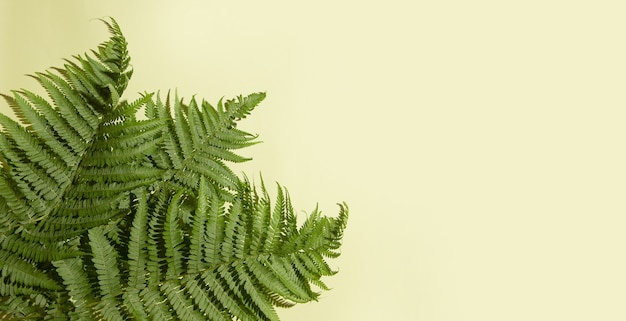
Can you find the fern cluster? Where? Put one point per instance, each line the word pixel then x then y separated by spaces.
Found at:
pixel 110 216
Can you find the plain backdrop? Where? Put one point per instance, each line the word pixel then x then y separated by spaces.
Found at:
pixel 479 144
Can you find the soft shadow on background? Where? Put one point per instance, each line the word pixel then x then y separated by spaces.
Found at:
pixel 480 145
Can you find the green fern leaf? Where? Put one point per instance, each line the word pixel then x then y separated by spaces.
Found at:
pixel 198 235
pixel 41 161
pixel 173 238
pixel 233 276
pixel 137 253
pixel 199 139
pixel 19 277
pixel 155 304
pixel 181 304
pixel 105 260
pixel 133 303
pixel 78 287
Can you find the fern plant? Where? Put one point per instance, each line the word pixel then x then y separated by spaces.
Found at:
pixel 109 215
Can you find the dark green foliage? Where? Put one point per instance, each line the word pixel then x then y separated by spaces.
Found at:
pixel 111 216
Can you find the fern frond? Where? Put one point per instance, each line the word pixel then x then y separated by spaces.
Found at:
pixel 22 308
pixel 36 252
pixel 210 265
pixel 105 262
pixel 206 302
pixel 78 286
pixel 133 303
pixel 137 253
pixel 155 304
pixel 199 140
pixel 42 160
pixel 181 303
pixel 20 277
pixel 113 166
pixel 43 153
pixel 214 230
pixel 173 238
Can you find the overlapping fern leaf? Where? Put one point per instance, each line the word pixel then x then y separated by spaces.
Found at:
pixel 200 138
pixel 202 259
pixel 110 217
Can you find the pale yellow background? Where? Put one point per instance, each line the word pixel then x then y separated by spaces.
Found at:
pixel 479 144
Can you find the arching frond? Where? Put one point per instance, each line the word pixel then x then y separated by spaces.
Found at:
pixel 200 139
